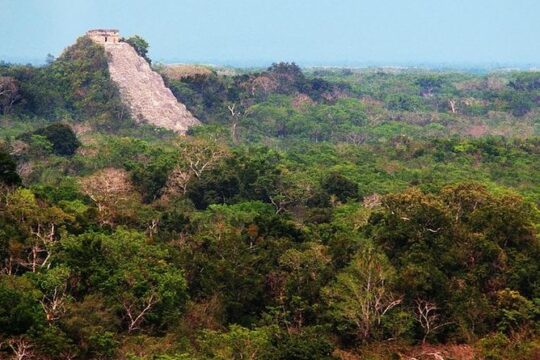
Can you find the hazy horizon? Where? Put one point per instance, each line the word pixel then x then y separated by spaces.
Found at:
pixel 241 33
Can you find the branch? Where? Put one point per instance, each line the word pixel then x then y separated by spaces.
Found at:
pixel 135 322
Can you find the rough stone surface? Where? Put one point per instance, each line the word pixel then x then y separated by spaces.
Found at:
pixel 144 91
pixel 103 36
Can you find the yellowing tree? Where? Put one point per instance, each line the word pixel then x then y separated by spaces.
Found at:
pixel 361 293
pixel 39 222
pixel 112 192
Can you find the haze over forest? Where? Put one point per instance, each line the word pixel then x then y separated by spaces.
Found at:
pixel 479 33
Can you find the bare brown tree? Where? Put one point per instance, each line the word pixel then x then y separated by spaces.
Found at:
pixel 202 156
pixel 426 314
pixel 196 157
pixel 53 305
pixel 178 179
pixel 21 347
pixel 263 85
pixel 235 115
pixel 355 138
pixel 108 188
pixel 9 93
pixel 55 296
pixel 135 314
pixel 452 104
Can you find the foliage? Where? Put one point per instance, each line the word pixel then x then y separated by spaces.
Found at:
pixel 140 45
pixel 61 137
pixel 9 93
pixel 134 276
pixel 362 293
pixel 316 213
pixel 8 167
pixel 76 85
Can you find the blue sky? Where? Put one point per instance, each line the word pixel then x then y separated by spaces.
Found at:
pixel 310 32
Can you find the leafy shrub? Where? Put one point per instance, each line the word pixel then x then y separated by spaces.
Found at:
pixel 140 45
pixel 63 139
pixel 8 170
pixel 338 185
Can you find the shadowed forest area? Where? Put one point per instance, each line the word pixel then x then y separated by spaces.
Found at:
pixel 318 213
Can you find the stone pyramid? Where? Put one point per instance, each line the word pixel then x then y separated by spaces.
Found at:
pixel 143 89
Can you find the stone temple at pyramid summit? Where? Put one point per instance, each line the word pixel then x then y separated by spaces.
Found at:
pixel 142 89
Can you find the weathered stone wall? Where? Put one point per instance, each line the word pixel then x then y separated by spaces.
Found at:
pixel 104 36
pixel 143 90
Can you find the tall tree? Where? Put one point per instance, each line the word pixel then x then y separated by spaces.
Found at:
pixel 362 293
